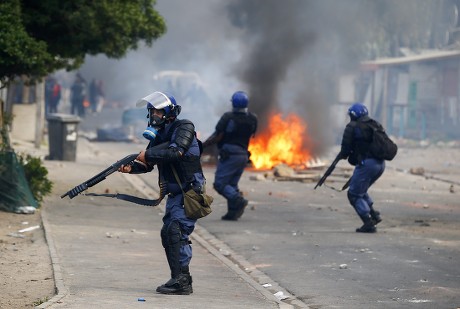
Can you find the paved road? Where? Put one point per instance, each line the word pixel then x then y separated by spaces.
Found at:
pixel 300 238
pixel 304 239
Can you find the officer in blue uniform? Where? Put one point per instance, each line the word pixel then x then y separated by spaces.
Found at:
pixel 355 146
pixel 232 134
pixel 183 153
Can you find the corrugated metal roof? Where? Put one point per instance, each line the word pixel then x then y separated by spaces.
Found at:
pixel 429 56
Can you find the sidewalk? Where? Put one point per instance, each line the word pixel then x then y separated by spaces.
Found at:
pixel 107 253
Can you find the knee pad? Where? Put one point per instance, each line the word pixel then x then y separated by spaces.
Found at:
pixel 164 236
pixel 218 187
pixel 358 203
pixel 351 198
pixel 173 233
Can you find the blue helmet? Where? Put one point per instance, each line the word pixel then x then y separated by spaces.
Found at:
pixel 357 111
pixel 240 99
pixel 160 100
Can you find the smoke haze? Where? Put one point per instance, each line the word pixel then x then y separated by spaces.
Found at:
pixel 285 54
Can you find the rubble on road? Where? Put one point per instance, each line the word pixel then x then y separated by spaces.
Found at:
pixel 283 172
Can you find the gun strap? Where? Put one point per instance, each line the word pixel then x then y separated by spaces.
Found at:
pixel 135 199
pixel 130 198
pixel 345 186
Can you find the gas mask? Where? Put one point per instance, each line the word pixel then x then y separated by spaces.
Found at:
pixel 156 123
pixel 158 101
pixel 150 133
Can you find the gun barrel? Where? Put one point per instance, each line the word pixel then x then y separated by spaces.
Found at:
pixel 329 171
pixel 100 176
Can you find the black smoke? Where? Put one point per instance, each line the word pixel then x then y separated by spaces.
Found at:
pixel 292 53
pixel 286 54
pixel 273 39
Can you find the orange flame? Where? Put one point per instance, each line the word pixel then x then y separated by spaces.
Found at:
pixel 282 142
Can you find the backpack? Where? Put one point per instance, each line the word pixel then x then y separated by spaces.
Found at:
pixel 381 146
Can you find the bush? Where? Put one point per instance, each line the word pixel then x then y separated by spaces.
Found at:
pixel 35 172
pixel 36 175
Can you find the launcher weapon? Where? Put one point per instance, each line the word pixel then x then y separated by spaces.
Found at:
pixel 110 170
pixel 328 171
pixel 101 176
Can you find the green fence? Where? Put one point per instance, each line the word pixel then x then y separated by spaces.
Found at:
pixel 14 188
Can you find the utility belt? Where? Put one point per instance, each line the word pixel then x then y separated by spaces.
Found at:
pixel 224 154
pixel 177 191
pixel 185 188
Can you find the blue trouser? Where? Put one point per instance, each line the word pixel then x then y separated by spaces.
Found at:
pixel 175 234
pixel 229 171
pixel 363 177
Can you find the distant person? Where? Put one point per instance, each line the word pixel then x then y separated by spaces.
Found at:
pixel 355 146
pixel 182 155
pixel 52 95
pixel 232 134
pixel 96 95
pixel 78 96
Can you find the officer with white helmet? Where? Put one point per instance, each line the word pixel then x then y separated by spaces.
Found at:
pixel 183 153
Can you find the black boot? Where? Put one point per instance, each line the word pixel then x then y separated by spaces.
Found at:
pixel 185 270
pixel 182 285
pixel 375 215
pixel 368 226
pixel 240 204
pixel 231 214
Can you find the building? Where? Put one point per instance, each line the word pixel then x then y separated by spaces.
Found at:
pixel 417 96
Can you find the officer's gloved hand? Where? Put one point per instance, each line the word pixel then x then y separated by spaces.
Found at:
pixel 342 155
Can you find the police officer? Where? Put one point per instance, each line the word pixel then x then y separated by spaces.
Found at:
pixel 183 153
pixel 232 134
pixel 355 146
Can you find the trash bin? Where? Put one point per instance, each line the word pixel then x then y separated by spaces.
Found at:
pixel 62 136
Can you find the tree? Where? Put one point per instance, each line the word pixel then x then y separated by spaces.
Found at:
pixel 39 37
pixel 20 53
pixel 395 24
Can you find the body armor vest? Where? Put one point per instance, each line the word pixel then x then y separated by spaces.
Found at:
pixel 237 128
pixel 187 165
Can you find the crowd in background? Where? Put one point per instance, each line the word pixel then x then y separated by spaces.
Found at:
pixel 60 96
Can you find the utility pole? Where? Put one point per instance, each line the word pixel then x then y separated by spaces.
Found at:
pixel 39 123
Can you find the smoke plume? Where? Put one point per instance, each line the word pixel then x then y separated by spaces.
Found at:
pixel 286 54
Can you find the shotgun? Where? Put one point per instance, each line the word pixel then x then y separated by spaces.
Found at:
pixel 329 171
pixel 129 159
pixel 101 176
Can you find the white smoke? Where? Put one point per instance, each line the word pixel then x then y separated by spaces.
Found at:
pixel 286 54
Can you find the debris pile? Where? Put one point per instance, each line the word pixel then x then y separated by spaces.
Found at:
pixel 312 172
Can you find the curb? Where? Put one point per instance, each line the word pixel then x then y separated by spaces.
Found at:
pixel 246 271
pixel 60 288
pixel 214 246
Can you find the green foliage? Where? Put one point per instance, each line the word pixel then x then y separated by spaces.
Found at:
pixel 40 301
pixel 393 24
pixel 4 141
pixel 36 175
pixel 20 53
pixel 39 37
